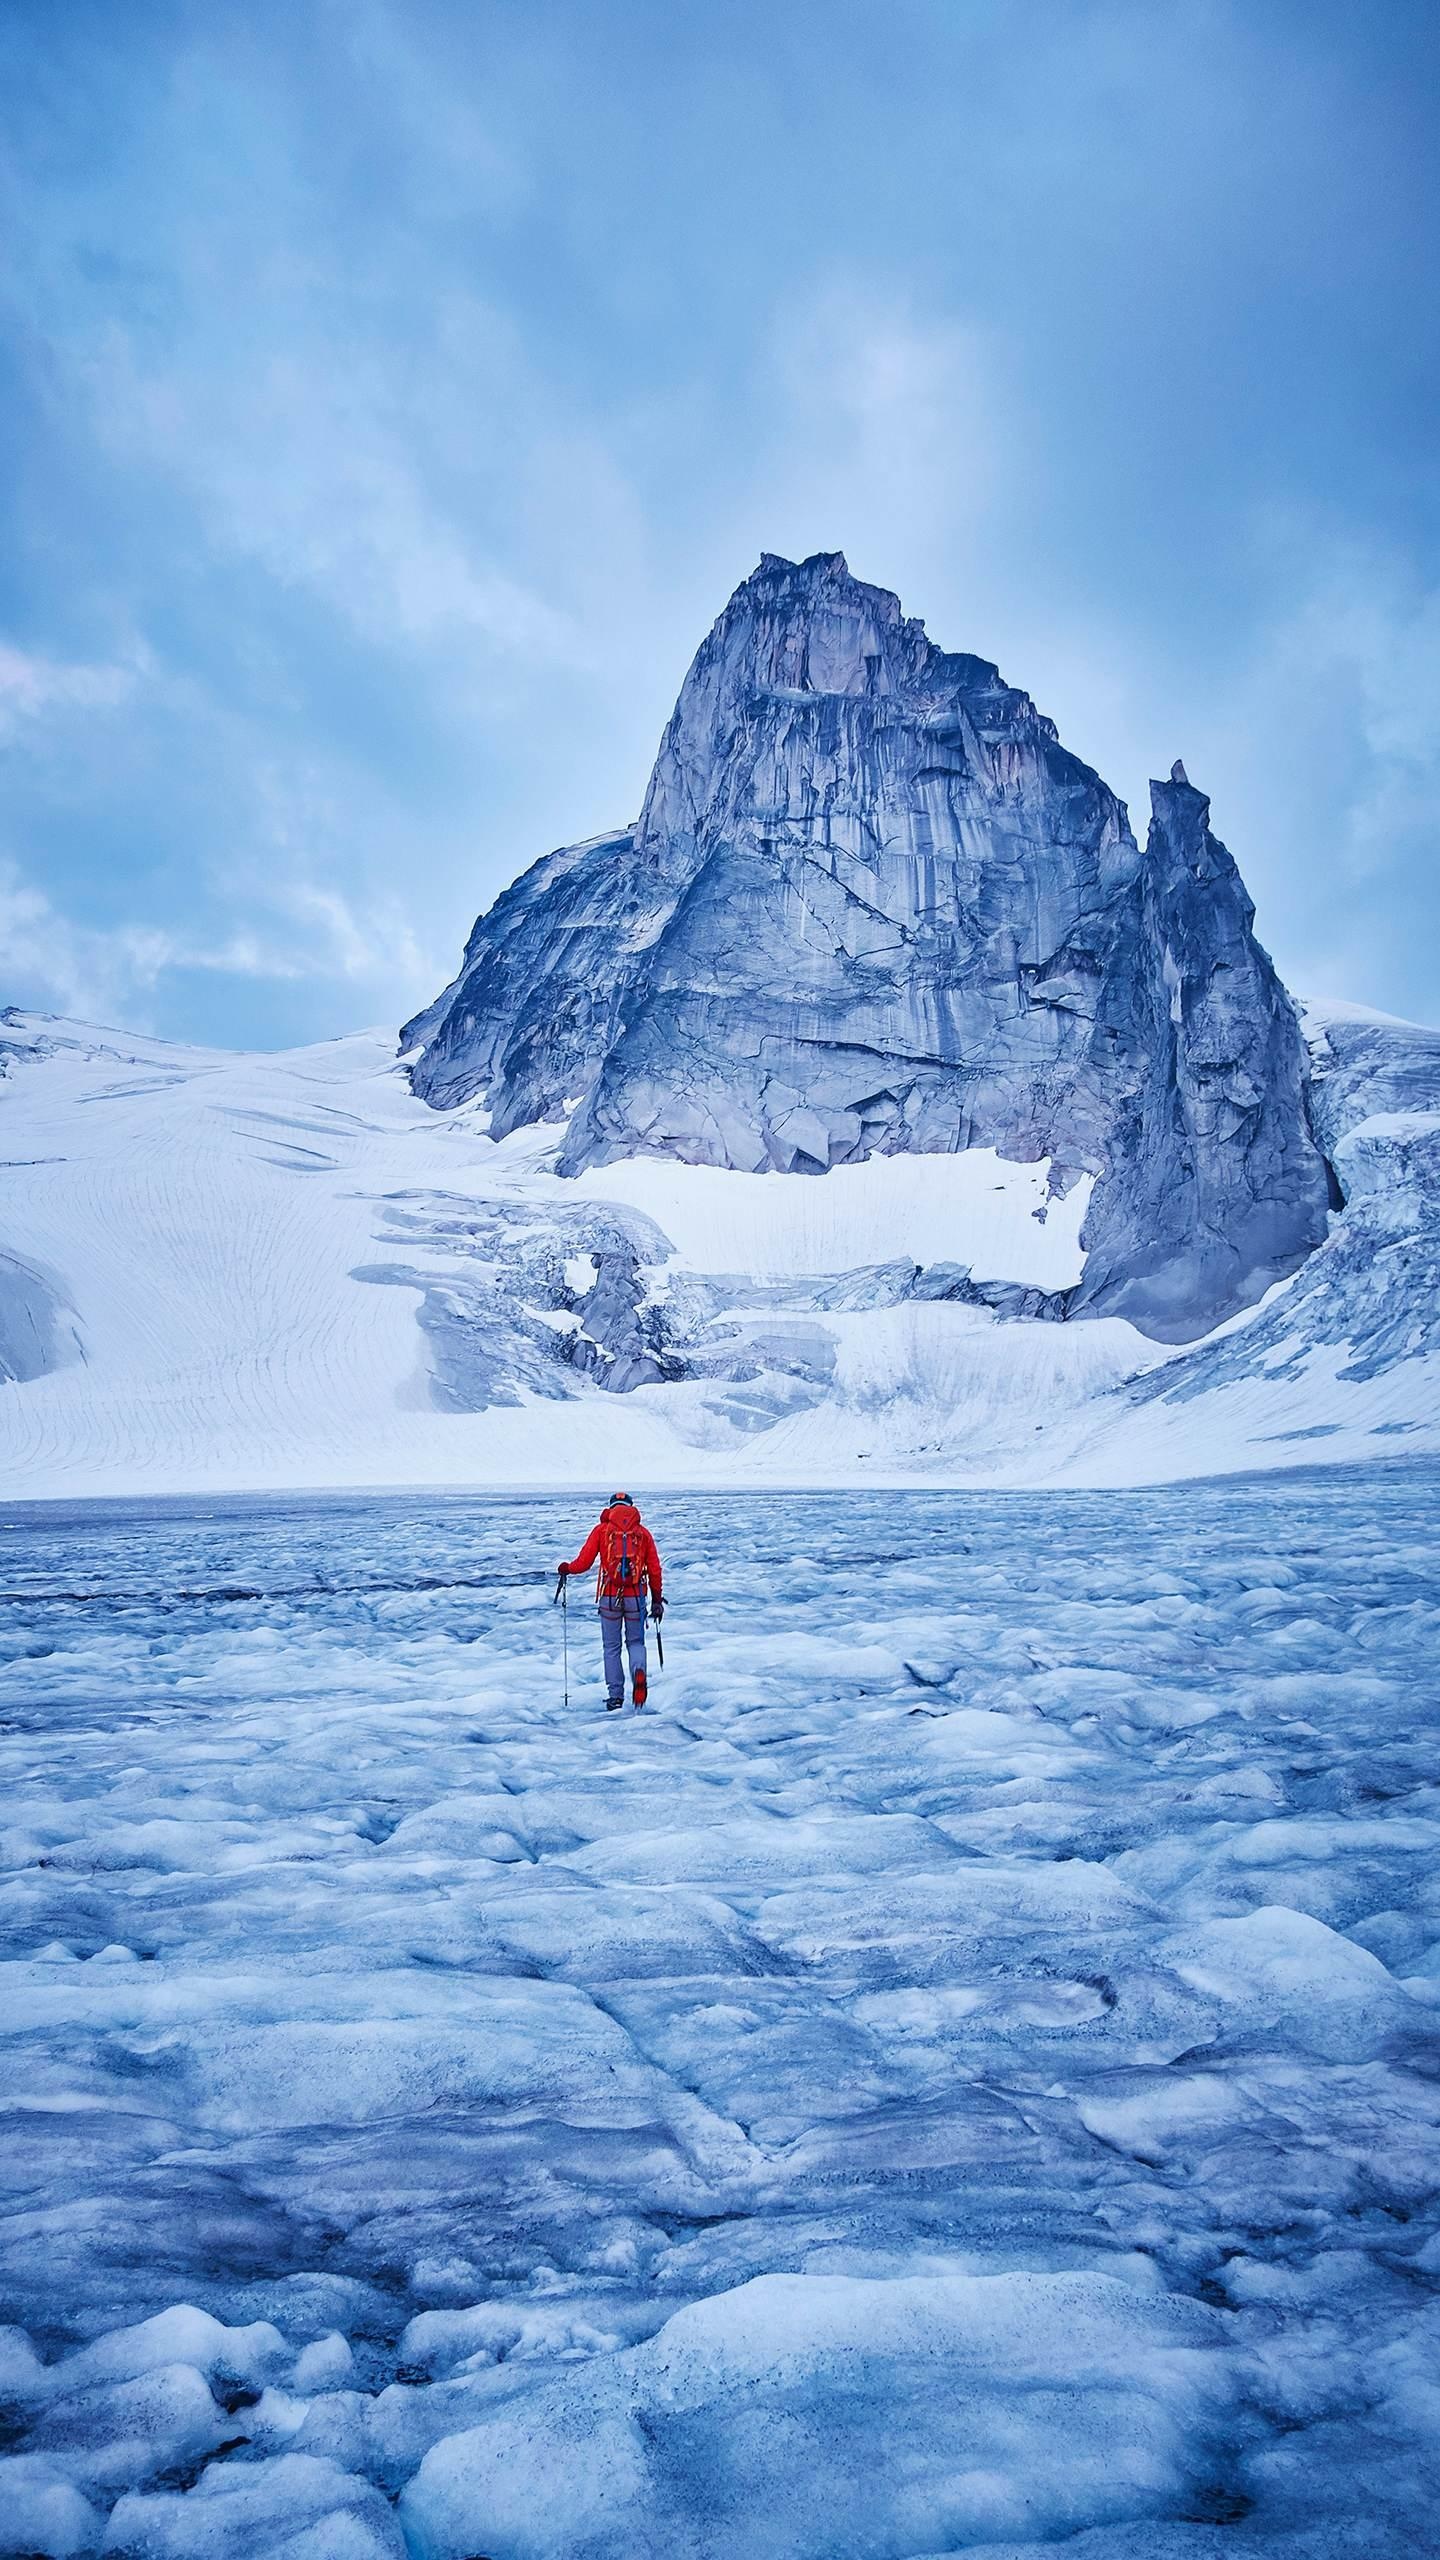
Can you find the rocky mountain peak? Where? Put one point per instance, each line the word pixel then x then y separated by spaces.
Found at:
pixel 872 905
pixel 810 627
pixel 794 635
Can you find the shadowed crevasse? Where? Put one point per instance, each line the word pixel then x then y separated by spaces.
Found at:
pixel 872 905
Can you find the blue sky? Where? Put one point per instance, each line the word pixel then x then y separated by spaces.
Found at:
pixel 395 389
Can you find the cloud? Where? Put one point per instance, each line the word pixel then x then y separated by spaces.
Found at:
pixel 885 432
pixel 1362 640
pixel 55 964
pixel 1322 738
pixel 314 468
pixel 418 381
pixel 34 688
pixel 366 940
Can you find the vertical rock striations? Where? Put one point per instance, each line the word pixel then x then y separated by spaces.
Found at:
pixel 871 904
pixel 1214 1187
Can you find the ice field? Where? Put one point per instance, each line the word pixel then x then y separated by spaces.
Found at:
pixel 958 2074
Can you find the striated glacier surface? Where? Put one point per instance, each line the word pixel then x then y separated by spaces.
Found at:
pixel 872 905
pixel 957 2075
pixel 286 1270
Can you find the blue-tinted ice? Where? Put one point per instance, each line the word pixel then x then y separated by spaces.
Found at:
pixel 959 2073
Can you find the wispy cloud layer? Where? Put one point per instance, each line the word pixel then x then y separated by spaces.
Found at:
pixel 34 688
pixel 398 392
pixel 303 937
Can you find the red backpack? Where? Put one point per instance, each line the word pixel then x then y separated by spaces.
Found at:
pixel 624 1567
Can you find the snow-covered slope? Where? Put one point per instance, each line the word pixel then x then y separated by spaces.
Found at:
pixel 1010 1226
pixel 267 1270
pixel 255 1271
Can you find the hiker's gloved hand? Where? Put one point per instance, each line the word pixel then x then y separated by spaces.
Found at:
pixel 657 1610
pixel 560 1572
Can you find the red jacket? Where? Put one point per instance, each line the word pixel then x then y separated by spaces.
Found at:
pixel 620 1526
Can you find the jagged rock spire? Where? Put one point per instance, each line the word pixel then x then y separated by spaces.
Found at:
pixel 871 905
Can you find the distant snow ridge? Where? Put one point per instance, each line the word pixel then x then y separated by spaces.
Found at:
pixel 872 906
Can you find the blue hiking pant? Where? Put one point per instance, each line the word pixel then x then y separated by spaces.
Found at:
pixel 616 1615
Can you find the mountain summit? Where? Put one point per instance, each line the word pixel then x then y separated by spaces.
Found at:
pixel 872 906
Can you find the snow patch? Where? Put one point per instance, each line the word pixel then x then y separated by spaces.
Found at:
pixel 977 1208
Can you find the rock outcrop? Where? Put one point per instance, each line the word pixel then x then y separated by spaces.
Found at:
pixel 871 905
pixel 1367 1306
pixel 1213 1183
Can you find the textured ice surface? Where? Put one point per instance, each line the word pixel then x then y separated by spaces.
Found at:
pixel 959 2074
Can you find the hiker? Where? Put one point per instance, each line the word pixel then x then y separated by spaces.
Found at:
pixel 629 1572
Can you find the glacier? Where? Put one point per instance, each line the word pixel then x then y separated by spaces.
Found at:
pixel 223 1271
pixel 955 2076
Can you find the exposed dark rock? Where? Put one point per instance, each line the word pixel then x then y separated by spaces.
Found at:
pixel 38 1330
pixel 1215 1187
pixel 1369 1301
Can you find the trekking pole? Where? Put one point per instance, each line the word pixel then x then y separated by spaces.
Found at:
pixel 562 1594
pixel 659 1639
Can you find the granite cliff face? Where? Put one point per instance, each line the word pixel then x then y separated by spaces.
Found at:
pixel 871 905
